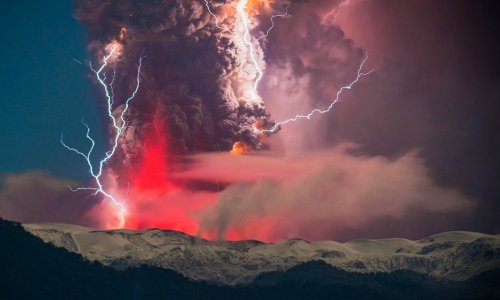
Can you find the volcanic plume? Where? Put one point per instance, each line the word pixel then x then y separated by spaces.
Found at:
pixel 201 65
pixel 198 88
pixel 196 78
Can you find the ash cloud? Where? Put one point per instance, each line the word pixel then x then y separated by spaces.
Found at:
pixel 308 61
pixel 40 197
pixel 338 195
pixel 332 194
pixel 188 76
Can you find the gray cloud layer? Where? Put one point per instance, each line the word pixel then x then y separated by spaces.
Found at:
pixel 324 195
pixel 39 197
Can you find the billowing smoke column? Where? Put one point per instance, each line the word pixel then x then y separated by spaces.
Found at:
pixel 198 78
pixel 198 87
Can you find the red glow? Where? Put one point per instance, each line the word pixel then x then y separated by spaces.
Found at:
pixel 153 200
pixel 153 171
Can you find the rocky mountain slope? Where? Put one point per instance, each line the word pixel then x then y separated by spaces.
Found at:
pixel 33 269
pixel 450 255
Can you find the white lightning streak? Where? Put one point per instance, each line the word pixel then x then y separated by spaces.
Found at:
pixel 337 99
pixel 336 11
pixel 240 8
pixel 272 22
pixel 213 15
pixel 100 189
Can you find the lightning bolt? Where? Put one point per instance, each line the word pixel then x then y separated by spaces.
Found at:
pixel 287 6
pixel 118 126
pixel 240 8
pixel 337 99
pixel 213 15
pixel 243 16
pixel 336 11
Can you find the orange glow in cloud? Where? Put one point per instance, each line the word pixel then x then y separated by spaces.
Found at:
pixel 254 7
pixel 240 148
pixel 123 33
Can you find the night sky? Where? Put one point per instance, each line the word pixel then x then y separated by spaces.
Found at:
pixel 45 92
pixel 435 93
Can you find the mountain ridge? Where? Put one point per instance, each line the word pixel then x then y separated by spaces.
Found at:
pixel 455 255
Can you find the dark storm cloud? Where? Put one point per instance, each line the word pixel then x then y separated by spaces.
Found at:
pixel 312 48
pixel 308 61
pixel 186 76
pixel 435 87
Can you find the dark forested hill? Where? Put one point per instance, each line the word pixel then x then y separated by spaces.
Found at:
pixel 32 269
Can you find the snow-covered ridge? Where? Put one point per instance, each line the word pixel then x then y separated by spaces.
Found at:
pixel 456 255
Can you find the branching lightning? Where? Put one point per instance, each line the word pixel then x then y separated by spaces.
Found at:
pixel 118 126
pixel 337 99
pixel 272 22
pixel 247 37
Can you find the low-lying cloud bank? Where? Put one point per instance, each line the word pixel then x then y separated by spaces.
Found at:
pixel 332 194
pixel 37 196
pixel 323 195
